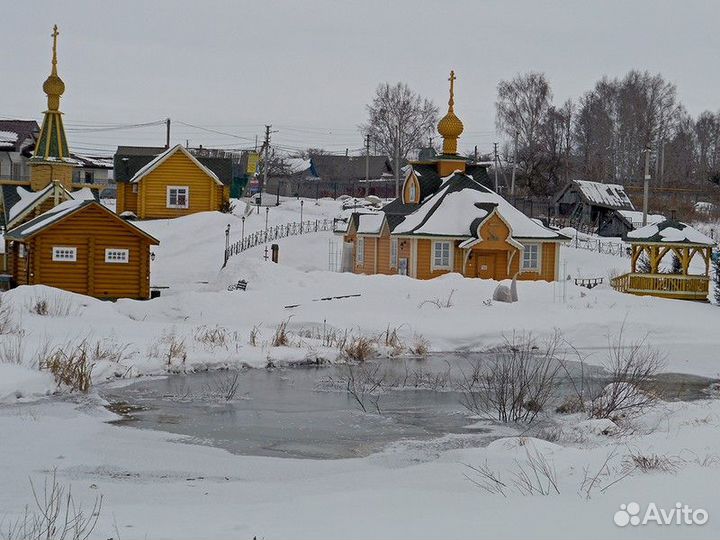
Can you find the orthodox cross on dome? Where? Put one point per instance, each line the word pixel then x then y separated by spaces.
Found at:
pixel 451 102
pixel 54 35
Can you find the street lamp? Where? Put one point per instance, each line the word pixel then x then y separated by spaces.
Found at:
pixel 302 203
pixel 227 245
pixel 267 212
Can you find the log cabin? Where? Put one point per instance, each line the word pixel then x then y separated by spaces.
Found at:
pixel 82 247
pixel 447 219
pixel 170 184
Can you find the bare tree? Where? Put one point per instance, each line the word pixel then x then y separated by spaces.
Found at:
pixel 398 117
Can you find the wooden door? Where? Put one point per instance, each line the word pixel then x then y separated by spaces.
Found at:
pixel 485 265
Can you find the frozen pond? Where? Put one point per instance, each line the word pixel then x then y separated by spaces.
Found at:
pixel 309 413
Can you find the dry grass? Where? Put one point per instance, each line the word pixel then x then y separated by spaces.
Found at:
pixel 212 337
pixel 360 348
pixel 648 463
pixel 168 348
pixel 53 306
pixel 281 338
pixel 12 349
pixel 420 346
pixel 71 366
pixel 254 335
pixel 8 324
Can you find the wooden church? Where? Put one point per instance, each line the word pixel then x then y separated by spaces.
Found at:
pixel 65 238
pixel 448 220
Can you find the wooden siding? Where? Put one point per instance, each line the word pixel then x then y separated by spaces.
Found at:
pixel 42 174
pixel 126 199
pixel 91 231
pixel 177 170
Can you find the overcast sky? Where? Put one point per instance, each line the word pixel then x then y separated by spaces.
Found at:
pixel 310 67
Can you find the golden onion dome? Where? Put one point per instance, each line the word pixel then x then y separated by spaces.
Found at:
pixel 450 125
pixel 54 86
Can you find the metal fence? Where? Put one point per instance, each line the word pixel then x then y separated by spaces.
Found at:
pixel 275 232
pixel 597 245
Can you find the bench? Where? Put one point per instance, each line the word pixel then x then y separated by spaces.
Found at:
pixel 588 282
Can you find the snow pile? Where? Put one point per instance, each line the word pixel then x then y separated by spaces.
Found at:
pixel 671 232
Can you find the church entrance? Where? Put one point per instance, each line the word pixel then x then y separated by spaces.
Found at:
pixel 491 264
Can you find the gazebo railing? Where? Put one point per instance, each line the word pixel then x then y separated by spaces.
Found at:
pixel 689 287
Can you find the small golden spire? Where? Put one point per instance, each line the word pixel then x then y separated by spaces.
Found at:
pixel 54 35
pixel 451 102
pixel 54 86
pixel 450 126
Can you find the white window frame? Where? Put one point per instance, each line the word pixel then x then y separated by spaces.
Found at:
pixel 527 249
pixel 393 252
pixel 64 254
pixel 178 189
pixel 360 252
pixel 439 263
pixel 21 251
pixel 117 256
pixel 134 188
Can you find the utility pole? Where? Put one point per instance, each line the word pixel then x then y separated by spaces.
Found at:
pixel 515 157
pixel 495 158
pixel 367 164
pixel 476 154
pixel 646 186
pixel 263 180
pixel 662 164
pixel 167 133
pixel 397 162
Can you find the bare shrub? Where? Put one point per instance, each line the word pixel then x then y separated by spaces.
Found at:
pixel 360 348
pixel 571 405
pixel 281 337
pixel 71 366
pixel 487 480
pixel 439 302
pixel 420 346
pixel 536 475
pixel 632 370
pixel 55 516
pixel 225 386
pixel 514 382
pixel 212 337
pixel 364 383
pixel 646 463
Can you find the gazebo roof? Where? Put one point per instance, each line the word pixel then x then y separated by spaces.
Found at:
pixel 669 232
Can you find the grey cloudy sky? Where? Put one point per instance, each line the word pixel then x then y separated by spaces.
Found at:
pixel 310 67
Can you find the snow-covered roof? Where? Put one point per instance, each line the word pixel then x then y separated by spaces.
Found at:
pixel 29 199
pixel 454 210
pixel 636 218
pixel 297 165
pixel 165 155
pixel 370 223
pixel 671 232
pixel 8 139
pixel 610 195
pixel 60 211
pixel 95 162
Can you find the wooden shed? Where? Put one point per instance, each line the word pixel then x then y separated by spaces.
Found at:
pixel 174 183
pixel 83 247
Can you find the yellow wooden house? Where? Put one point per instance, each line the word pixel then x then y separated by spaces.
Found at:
pixel 448 219
pixel 174 183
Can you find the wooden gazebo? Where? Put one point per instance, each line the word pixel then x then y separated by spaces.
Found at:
pixel 655 242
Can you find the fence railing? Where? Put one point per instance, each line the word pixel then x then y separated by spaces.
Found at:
pixel 669 285
pixel 275 232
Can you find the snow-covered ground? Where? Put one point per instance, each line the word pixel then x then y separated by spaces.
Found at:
pixel 155 488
